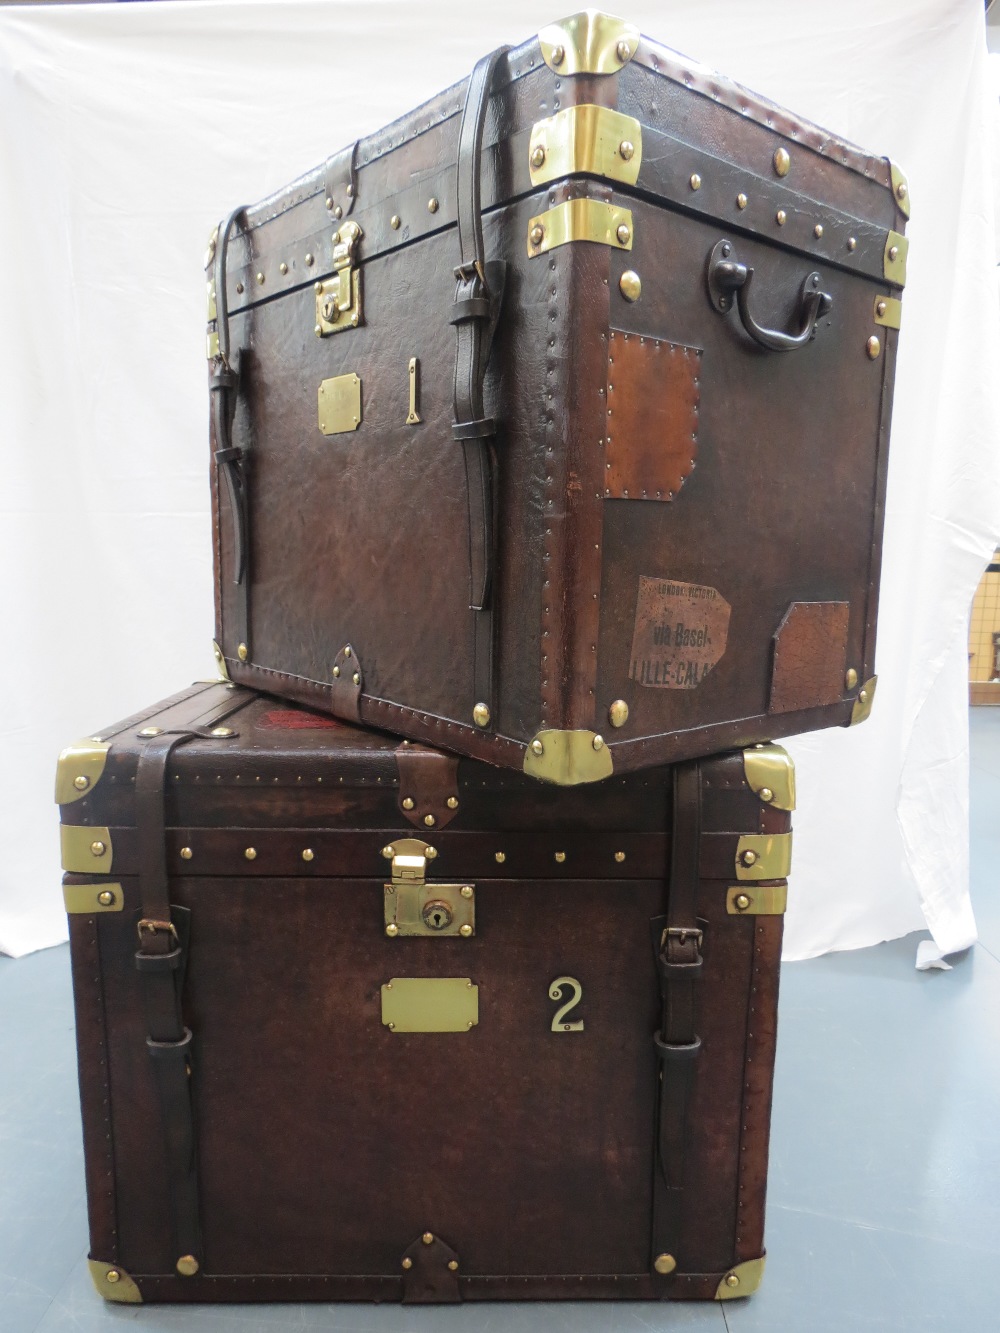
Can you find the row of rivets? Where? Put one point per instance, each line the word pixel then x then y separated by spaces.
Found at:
pixel 308 854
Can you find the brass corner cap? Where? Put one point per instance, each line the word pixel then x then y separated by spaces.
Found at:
pixel 568 758
pixel 113 1283
pixel 588 43
pixel 769 768
pixel 863 703
pixel 741 1280
pixel 220 661
pixel 900 188
pixel 79 769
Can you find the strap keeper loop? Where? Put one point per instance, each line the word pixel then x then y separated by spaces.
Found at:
pixel 479 429
pixel 676 1050
pixel 169 1050
pixel 159 962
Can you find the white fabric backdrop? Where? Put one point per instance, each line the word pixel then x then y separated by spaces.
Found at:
pixel 129 130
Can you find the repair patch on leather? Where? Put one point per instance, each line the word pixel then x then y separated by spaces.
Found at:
pixel 680 633
pixel 651 439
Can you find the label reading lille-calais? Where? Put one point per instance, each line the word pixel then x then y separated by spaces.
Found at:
pixel 680 633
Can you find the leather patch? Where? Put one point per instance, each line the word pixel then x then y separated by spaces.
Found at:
pixel 428 780
pixel 680 633
pixel 810 656
pixel 652 416
pixel 427 1277
pixel 347 680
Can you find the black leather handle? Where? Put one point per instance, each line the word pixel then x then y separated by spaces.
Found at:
pixel 726 276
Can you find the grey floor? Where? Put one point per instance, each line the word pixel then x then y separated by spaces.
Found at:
pixel 884 1205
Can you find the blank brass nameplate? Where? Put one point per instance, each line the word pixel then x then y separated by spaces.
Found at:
pixel 339 404
pixel 430 1004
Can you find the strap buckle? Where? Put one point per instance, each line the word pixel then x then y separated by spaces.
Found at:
pixel 680 951
pixel 151 926
pixel 466 272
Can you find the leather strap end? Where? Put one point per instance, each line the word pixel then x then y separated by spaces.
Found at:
pixel 681 971
pixel 230 455
pixel 169 1050
pixel 471 307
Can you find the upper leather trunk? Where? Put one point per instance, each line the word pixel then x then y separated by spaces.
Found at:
pixel 688 523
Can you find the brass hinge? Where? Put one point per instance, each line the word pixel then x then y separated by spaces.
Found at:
pixel 113 1283
pixel 757 899
pixel 79 769
pixel 580 220
pixel 86 849
pixel 338 299
pixel 770 773
pixel 588 43
pixel 586 139
pixel 894 258
pixel 414 907
pixel 741 1280
pixel 568 758
pixel 863 703
pixel 764 856
pixel 83 899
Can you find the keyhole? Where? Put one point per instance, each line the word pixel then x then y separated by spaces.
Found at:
pixel 437 915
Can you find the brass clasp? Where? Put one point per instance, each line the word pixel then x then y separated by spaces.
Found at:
pixel 414 907
pixel 338 299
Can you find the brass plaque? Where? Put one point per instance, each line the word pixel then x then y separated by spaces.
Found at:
pixel 430 1004
pixel 339 404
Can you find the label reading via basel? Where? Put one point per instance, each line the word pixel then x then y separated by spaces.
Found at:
pixel 680 633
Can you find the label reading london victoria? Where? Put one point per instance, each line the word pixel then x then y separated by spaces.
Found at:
pixel 680 633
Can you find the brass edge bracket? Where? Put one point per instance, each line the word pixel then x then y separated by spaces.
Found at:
pixel 741 1280
pixel 593 140
pixel 430 1004
pixel 79 769
pixel 113 1283
pixel 568 758
pixel 894 258
pixel 763 856
pixel 86 849
pixel 414 907
pixel 770 773
pixel 220 662
pixel 900 189
pixel 338 300
pixel 588 43
pixel 338 404
pixel 84 899
pixel 887 311
pixel 580 220
pixel 863 703
pixel 757 899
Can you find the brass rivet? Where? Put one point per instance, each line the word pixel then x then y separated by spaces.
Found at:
pixel 630 285
pixel 664 1263
pixel 537 234
pixel 851 679
pixel 251 853
pixel 310 261
pixel 598 742
pixel 741 200
pixel 223 733
pixel 81 783
pixel 329 203
pixel 282 268
pixel 407 1263
pixel 781 161
pixel 873 347
pixel 465 930
pixel 558 55
pixel 308 854
pixel 317 286
pixel 239 289
pixel 619 856
pixel 394 222
pixel 318 330
pixel 880 308
pixel 766 794
pixel 749 857
pixel 151 731
pixel 243 652
pixel 481 715
pixel 97 849
pixel 391 930
pixel 781 217
pixel 537 155
pixel 428 1238
pixel 106 898
pixel 818 230
pixel 407 802
pixel 623 50
pixel 863 696
pixel 430 821
pixel 452 803
pixel 187 1265
pixel 852 242
pixel 466 890
pixel 388 852
pixel 350 191
pixel 347 651
pixel 624 234
pixel 626 150
pixel 356 678
pixel 453 1265
pixel 432 205
pixel 732 1280
pixel 893 252
pixel 430 853
pixel 695 181
pixel 500 857
pixel 742 901
pixel 260 278
pixel 537 747
pixel 618 713
pixel 901 190
pixel 113 1276
pixel 560 857
pixel 186 853
pixel 336 673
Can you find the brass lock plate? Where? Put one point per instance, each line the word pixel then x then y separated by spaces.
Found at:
pixel 338 300
pixel 430 909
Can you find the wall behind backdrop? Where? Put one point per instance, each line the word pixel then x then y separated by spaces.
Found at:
pixel 129 130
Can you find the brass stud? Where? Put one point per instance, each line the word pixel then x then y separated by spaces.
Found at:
pixel 695 181
pixel 187 1265
pixel 624 234
pixel 558 55
pixel 243 652
pixel 852 242
pixel 626 150
pixel 781 217
pixel 282 268
pixel 741 201
pixel 732 1280
pixel 392 930
pixel 407 802
pixel 598 742
pixel 239 289
pixel 356 678
pixel 318 330
pixel 430 821
pixel 260 278
pixel 863 696
pixel 388 852
pixel 623 50
pixel 251 853
pixel 537 747
pixel 336 673
pixel 880 307
pixel 430 853
pixel 481 715
pixel 106 898
pixel 186 853
pixel 766 794
pixel 81 783
pixel 407 1263
pixel 453 1265
pixel 851 679
pixel 619 857
pixel 151 731
pixel 742 901
pixel 630 285
pixel 664 1263
pixel 347 651
pixel 223 733
pixel 782 161
pixel 97 848
pixel 818 230
pixel 112 1276
pixel 465 930
pixel 618 713
pixel 329 203
pixel 499 857
pixel 432 205
pixel 310 261
pixel 537 234
pixel 560 857
pixel 452 802
pixel 901 190
pixel 394 222
pixel 466 890
pixel 308 854
pixel 350 190
pixel 428 1238
pixel 873 347
pixel 317 286
pixel 893 253
pixel 338 212
pixel 537 155
pixel 749 857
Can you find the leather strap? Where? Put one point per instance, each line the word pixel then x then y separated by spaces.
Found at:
pixel 476 310
pixel 679 965
pixel 231 462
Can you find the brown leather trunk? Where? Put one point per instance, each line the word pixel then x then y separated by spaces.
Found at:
pixel 574 944
pixel 656 532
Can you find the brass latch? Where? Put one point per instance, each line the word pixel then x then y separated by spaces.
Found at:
pixel 414 907
pixel 338 300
